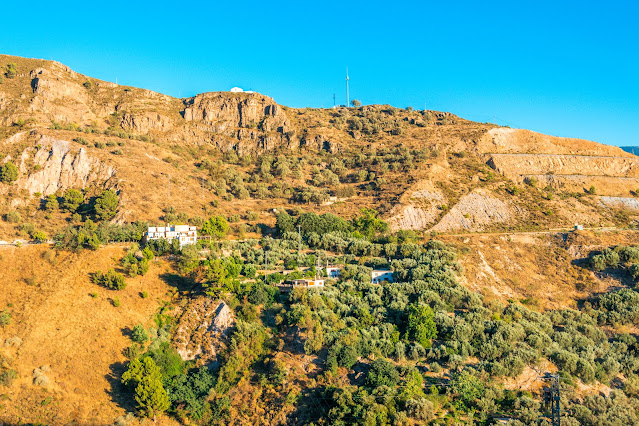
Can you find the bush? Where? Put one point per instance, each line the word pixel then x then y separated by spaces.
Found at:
pixel 7 377
pixel 5 319
pixel 139 334
pixel 111 280
pixel 11 70
pixel 39 236
pixel 8 173
pixel 13 217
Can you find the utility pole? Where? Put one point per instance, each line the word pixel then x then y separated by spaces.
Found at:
pixel 299 242
pixel 347 94
pixel 552 398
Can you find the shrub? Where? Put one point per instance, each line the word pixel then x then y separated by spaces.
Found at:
pixel 11 70
pixel 5 319
pixel 39 236
pixel 87 85
pixel 111 280
pixel 7 377
pixel 13 217
pixel 116 302
pixel 8 173
pixel 139 334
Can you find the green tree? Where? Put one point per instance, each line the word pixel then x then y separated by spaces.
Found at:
pixel 8 173
pixel 284 223
pixel 72 199
pixel 106 205
pixel 356 103
pixel 51 203
pixel 139 334
pixel 467 387
pixel 144 376
pixel 382 373
pixel 368 223
pixel 216 226
pixel 421 325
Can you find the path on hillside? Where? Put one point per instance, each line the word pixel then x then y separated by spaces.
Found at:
pixel 544 232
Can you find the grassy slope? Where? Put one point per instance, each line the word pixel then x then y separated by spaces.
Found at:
pixel 80 337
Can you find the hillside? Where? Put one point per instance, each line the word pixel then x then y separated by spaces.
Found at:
pixel 64 130
pixel 490 286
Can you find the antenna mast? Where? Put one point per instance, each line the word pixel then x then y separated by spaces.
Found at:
pixel 347 95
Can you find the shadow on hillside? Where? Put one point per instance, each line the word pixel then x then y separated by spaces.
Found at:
pixel 313 405
pixel 180 283
pixel 119 393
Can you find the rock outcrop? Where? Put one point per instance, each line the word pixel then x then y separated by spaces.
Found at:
pixel 256 121
pixel 474 212
pixel 58 167
pixel 201 330
pixel 420 212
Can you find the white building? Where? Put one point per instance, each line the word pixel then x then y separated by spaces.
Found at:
pixel 333 272
pixel 380 275
pixel 310 283
pixel 185 234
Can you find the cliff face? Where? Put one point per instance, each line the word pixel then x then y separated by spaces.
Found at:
pixel 51 164
pixel 255 120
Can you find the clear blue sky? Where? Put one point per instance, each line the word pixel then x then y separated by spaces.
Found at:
pixel 566 68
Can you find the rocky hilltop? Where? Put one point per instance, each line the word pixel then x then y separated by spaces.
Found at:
pixel 423 170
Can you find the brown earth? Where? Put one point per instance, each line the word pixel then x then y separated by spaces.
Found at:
pixel 80 337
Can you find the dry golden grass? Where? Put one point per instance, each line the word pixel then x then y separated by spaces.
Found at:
pixel 80 337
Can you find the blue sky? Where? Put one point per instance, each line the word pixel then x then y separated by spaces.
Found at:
pixel 565 68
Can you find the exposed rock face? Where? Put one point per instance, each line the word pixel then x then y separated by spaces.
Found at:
pixel 226 111
pixel 514 165
pixel 60 167
pixel 201 329
pixel 57 97
pixel 620 202
pixel 421 212
pixel 145 122
pixel 474 211
pixel 255 120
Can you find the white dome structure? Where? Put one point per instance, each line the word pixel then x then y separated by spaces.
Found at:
pixel 236 90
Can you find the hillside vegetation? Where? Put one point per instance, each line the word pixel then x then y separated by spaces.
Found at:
pixel 491 288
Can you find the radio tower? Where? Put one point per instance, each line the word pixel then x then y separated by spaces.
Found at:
pixel 347 95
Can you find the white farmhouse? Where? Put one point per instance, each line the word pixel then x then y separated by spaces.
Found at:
pixel 185 234
pixel 310 283
pixel 380 275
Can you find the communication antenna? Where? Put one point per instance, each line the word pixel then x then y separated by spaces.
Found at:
pixel 334 100
pixel 347 95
